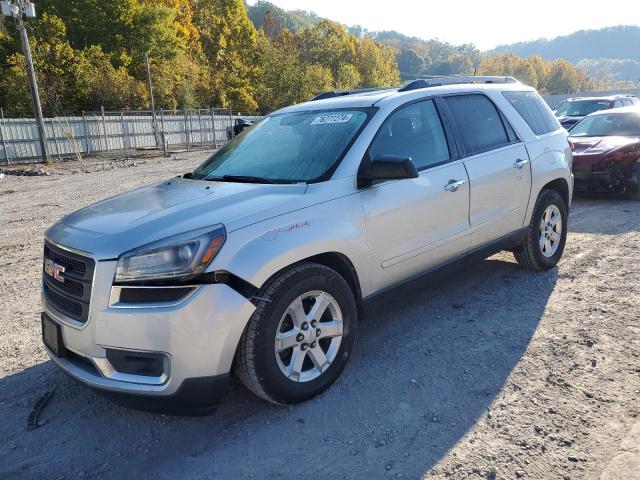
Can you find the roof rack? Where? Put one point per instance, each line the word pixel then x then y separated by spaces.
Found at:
pixel 355 91
pixel 452 80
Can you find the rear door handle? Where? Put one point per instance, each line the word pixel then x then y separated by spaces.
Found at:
pixel 454 185
pixel 520 163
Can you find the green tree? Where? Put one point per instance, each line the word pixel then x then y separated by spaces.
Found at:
pixel 566 78
pixel 376 64
pixel 347 77
pixel 327 44
pixel 317 79
pixel 54 59
pixel 98 83
pixel 409 63
pixel 108 23
pixel 228 39
pixel 156 32
pixel 279 71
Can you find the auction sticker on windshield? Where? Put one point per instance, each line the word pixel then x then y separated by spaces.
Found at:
pixel 328 119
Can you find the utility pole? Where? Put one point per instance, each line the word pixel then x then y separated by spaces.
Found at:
pixel 153 103
pixel 18 9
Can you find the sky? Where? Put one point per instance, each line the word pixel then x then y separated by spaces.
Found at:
pixel 485 23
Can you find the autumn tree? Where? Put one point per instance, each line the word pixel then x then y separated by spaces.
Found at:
pixel 376 64
pixel 228 41
pixel 549 78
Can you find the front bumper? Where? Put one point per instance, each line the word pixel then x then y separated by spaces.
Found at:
pixel 197 338
pixel 600 178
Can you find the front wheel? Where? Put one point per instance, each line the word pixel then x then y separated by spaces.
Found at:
pixel 299 338
pixel 547 233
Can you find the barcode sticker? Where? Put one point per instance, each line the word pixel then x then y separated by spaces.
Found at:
pixel 328 119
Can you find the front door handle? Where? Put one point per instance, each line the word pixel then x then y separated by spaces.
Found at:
pixel 454 185
pixel 520 163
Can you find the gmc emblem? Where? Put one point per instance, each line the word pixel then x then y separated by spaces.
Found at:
pixel 54 270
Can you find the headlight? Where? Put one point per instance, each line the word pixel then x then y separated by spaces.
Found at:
pixel 180 257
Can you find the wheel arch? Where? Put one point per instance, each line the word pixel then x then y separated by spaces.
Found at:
pixel 561 186
pixel 336 261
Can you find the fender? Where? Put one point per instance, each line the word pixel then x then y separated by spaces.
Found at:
pixel 265 248
pixel 551 160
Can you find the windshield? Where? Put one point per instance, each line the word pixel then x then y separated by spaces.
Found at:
pixel 614 124
pixel 581 108
pixel 287 148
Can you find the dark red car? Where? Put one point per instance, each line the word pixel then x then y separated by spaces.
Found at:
pixel 606 152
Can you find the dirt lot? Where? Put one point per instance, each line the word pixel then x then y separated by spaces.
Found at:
pixel 493 372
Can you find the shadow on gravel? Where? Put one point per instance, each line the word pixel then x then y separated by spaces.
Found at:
pixel 430 358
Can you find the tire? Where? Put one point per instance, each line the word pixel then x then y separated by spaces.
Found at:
pixel 533 254
pixel 276 377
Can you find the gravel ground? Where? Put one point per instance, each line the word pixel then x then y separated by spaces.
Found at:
pixel 492 372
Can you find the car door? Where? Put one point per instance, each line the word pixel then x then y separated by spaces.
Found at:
pixel 497 164
pixel 416 224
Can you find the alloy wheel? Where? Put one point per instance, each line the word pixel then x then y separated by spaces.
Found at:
pixel 550 231
pixel 308 336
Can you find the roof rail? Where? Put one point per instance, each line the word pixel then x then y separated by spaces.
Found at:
pixel 452 80
pixel 342 93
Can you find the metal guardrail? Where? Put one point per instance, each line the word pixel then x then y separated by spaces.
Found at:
pixel 103 131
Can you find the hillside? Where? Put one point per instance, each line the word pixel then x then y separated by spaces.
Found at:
pixel 292 20
pixel 612 42
pixel 609 52
pixel 414 56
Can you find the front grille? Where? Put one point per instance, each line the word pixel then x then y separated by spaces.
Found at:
pixel 72 287
pixel 73 266
pixel 65 305
pixel 72 296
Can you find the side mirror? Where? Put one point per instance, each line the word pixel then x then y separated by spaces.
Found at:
pixel 387 167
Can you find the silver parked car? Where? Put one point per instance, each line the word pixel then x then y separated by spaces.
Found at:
pixel 258 262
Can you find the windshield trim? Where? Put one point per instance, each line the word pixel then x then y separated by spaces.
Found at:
pixel 370 113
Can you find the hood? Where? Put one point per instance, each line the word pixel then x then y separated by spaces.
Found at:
pixel 113 226
pixel 596 149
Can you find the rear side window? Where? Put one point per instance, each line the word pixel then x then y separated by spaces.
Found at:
pixel 533 111
pixel 479 123
pixel 413 131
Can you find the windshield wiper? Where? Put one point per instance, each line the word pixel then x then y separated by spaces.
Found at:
pixel 240 179
pixel 246 179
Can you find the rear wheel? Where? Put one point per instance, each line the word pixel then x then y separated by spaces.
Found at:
pixel 299 338
pixel 545 239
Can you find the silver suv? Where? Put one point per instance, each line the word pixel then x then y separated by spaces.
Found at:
pixel 258 262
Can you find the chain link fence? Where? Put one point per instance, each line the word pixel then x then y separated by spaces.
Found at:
pixel 108 131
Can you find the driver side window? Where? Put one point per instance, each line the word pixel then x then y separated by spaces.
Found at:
pixel 413 131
